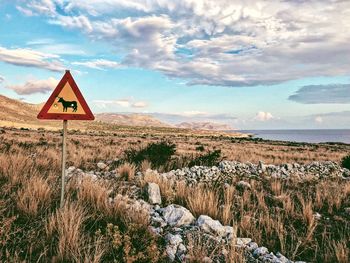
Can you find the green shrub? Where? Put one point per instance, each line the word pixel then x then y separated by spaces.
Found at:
pixel 208 159
pixel 157 154
pixel 200 148
pixel 345 162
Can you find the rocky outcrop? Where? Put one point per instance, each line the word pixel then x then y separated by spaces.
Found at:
pixel 226 171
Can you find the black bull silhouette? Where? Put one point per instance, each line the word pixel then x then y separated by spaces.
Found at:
pixel 68 104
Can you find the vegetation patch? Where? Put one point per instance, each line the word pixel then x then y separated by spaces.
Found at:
pixel 158 154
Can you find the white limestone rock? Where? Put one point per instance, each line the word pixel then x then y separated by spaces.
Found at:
pixel 153 193
pixel 176 215
pixel 209 225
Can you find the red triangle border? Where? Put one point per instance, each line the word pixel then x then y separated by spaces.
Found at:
pixel 67 77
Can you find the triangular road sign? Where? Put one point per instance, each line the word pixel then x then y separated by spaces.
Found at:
pixel 66 102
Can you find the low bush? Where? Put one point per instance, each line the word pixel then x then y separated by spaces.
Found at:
pixel 345 162
pixel 207 159
pixel 157 154
pixel 200 148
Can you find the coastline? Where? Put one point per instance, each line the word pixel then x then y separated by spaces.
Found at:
pixel 302 135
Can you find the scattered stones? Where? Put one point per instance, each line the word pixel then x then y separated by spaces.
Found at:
pixel 153 193
pixel 243 242
pixel 156 230
pixel 176 215
pixel 317 216
pixel 252 246
pixel 181 250
pixel 227 171
pixel 261 167
pixel 347 211
pixel 282 258
pixel 171 252
pixel 70 170
pixel 243 185
pixel 174 240
pixel 260 251
pixel 101 165
pixel 175 222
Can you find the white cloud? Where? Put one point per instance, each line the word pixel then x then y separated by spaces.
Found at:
pixel 74 22
pixel 39 7
pixel 47 45
pixel 318 119
pixel 2 79
pixel 139 104
pixel 25 11
pixel 125 103
pixel 122 103
pixel 98 64
pixel 263 116
pixel 194 113
pixel 34 86
pixel 31 58
pixel 221 42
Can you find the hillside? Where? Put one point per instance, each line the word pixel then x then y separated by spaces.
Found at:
pixel 211 126
pixel 15 113
pixel 130 120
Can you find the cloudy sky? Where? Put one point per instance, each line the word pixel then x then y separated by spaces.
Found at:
pixel 251 64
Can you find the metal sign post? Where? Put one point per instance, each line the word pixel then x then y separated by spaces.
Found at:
pixel 64 136
pixel 65 103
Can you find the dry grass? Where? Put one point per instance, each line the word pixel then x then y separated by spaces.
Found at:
pixel 82 146
pixel 276 214
pixel 202 201
pixel 200 248
pixel 35 196
pixel 34 229
pixel 342 251
pixel 66 225
pixel 94 195
pixel 145 165
pixel 126 171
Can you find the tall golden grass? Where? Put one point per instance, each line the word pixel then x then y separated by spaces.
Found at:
pixel 95 226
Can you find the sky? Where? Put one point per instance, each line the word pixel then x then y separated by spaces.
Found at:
pixel 250 64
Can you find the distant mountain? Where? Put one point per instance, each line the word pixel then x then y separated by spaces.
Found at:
pixel 16 113
pixel 210 126
pixel 131 119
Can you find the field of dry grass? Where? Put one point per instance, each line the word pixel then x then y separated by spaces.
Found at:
pixel 87 148
pixel 276 214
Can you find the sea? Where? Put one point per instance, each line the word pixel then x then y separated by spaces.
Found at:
pixel 308 136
